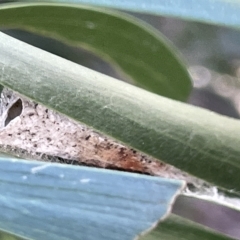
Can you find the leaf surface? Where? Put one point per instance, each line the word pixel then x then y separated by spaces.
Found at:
pixel 222 12
pixel 145 57
pixel 195 140
pixel 55 201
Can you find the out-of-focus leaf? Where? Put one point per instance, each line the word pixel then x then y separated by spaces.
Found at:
pixel 56 201
pixel 138 49
pixel 178 228
pixel 196 209
pixel 223 12
pixel 9 236
pixel 198 141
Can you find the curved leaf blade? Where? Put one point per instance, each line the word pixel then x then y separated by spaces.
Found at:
pixel 55 201
pixel 222 12
pixel 138 49
pixel 195 140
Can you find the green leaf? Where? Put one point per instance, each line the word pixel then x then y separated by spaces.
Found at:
pixel 198 141
pixel 138 49
pixel 223 12
pixel 177 228
pixel 9 236
pixel 56 201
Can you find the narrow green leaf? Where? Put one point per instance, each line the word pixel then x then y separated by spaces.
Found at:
pixel 223 12
pixel 178 228
pixel 138 49
pixel 56 201
pixel 198 141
